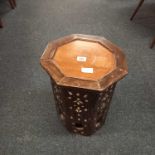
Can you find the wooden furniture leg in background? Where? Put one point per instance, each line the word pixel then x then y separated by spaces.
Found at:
pixel 1 23
pixel 136 10
pixel 12 3
pixel 153 43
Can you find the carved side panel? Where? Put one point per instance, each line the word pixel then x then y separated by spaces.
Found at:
pixel 82 111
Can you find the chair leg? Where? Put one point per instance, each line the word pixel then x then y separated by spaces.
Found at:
pixel 153 43
pixel 14 1
pixel 136 10
pixel 1 23
pixel 12 4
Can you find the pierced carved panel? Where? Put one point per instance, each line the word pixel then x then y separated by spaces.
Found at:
pixel 82 111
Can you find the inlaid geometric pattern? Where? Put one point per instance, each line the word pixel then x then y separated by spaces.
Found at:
pixel 103 105
pixel 82 111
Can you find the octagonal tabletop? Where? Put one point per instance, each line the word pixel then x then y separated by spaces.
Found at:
pixel 84 61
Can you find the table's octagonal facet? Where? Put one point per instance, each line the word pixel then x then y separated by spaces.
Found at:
pixel 76 58
pixel 84 61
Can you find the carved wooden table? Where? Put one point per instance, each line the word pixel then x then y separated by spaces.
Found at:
pixel 84 71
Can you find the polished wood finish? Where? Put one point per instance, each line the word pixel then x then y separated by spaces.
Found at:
pixel 153 43
pixel 106 59
pixel 137 9
pixel 97 57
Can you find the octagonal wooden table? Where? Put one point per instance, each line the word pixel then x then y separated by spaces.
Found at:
pixel 84 70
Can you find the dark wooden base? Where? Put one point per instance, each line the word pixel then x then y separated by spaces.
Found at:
pixel 82 111
pixel 13 5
